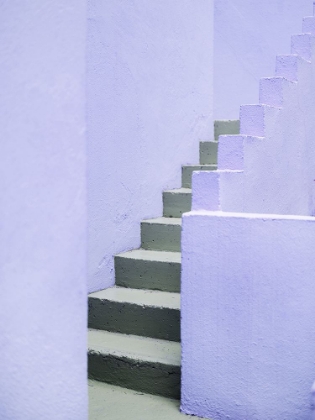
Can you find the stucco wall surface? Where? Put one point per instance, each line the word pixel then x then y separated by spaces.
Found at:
pixel 247 279
pixel 149 91
pixel 42 212
pixel 248 35
pixel 248 333
pixel 269 168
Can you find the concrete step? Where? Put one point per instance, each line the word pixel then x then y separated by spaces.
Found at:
pixel 143 269
pixel 107 401
pixel 148 313
pixel 208 152
pixel 139 363
pixel 188 170
pixel 176 202
pixel 225 127
pixel 162 234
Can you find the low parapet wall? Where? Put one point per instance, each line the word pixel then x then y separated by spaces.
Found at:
pixel 248 330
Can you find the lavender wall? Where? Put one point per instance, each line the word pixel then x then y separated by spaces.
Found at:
pixel 247 279
pixel 248 35
pixel 150 98
pixel 269 168
pixel 42 212
pixel 248 332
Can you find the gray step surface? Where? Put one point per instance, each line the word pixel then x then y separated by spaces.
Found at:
pixel 208 152
pixel 176 202
pixel 161 234
pixel 148 269
pixel 189 169
pixel 111 402
pixel 148 313
pixel 140 363
pixel 225 127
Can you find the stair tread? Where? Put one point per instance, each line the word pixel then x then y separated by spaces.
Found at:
pixel 134 347
pixel 143 297
pixel 117 403
pixel 208 141
pixel 164 220
pixel 205 166
pixel 179 191
pixel 144 254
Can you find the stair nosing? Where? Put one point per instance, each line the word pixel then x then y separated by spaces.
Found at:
pixel 126 340
pixel 162 220
pixel 181 190
pixel 141 297
pixel 173 257
pixel 203 165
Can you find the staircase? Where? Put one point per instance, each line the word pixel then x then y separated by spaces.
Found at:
pixel 134 327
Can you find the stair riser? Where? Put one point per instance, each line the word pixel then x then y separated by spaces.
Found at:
pixel 226 127
pixel 208 153
pixel 188 170
pixel 127 318
pixel 175 204
pixel 146 274
pixel 160 237
pixel 143 376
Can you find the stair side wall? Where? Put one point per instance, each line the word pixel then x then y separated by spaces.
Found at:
pixel 247 315
pixel 276 149
pixel 247 37
pixel 149 103
pixel 247 278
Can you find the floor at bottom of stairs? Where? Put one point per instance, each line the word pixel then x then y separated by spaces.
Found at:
pixel 109 402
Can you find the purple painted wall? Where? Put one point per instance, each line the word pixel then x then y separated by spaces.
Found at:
pixel 248 35
pixel 248 332
pixel 248 279
pixel 269 167
pixel 150 98
pixel 42 212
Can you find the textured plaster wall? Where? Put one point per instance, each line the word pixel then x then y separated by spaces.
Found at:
pixel 248 332
pixel 269 168
pixel 248 35
pixel 42 212
pixel 150 98
pixel 247 279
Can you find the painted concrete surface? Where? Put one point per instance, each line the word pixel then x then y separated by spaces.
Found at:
pixel 208 152
pixel 139 297
pixel 136 347
pixel 140 363
pixel 115 403
pixel 146 269
pixel 269 167
pixel 248 35
pixel 149 102
pixel 148 313
pixel 176 202
pixel 223 127
pixel 187 171
pixel 247 282
pixel 248 332
pixel 42 213
pixel 161 234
